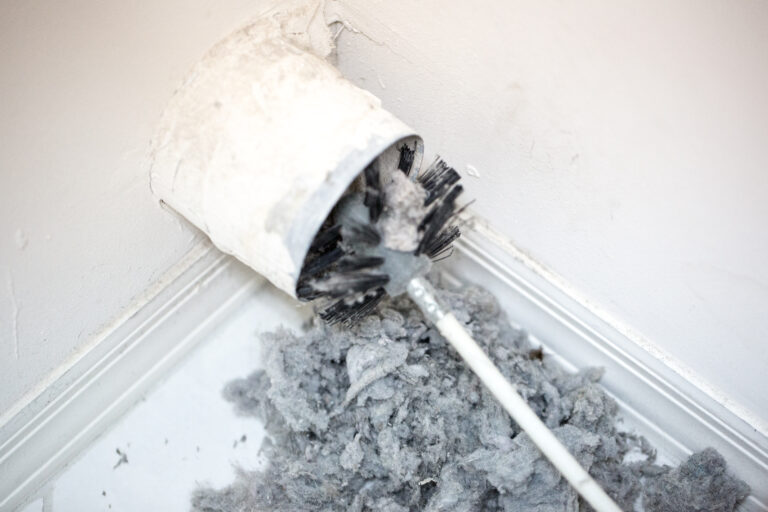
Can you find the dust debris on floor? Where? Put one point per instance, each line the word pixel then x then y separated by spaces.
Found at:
pixel 123 458
pixel 384 416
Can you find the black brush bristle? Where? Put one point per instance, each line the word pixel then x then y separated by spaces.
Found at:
pixel 432 242
pixel 441 243
pixel 322 262
pixel 356 233
pixel 340 285
pixel 355 262
pixel 406 159
pixel 330 266
pixel 306 292
pixel 437 180
pixel 350 311
pixel 326 239
pixel 374 196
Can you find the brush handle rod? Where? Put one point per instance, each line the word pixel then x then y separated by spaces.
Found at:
pixel 422 293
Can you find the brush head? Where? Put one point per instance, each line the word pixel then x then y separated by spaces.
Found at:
pixel 224 153
pixel 381 234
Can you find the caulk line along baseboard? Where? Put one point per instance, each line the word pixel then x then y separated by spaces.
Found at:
pixel 676 416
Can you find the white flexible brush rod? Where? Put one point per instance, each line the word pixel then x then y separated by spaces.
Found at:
pixel 422 293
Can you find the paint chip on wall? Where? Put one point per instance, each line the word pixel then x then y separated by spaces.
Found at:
pixel 472 171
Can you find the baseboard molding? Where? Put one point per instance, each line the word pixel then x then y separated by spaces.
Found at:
pixel 79 404
pixel 675 415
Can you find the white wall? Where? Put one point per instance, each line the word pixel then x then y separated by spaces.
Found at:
pixel 82 85
pixel 624 145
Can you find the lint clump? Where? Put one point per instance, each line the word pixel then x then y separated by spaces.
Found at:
pixel 382 415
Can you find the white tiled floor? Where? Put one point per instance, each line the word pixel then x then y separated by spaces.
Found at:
pixel 182 433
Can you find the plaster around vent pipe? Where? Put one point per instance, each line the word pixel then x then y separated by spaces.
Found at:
pixel 260 142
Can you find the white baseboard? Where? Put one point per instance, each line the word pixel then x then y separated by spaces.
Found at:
pixel 675 415
pixel 105 381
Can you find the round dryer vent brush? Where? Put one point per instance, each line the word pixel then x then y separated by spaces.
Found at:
pixel 305 178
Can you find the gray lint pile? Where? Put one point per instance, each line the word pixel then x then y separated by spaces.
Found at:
pixel 385 417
